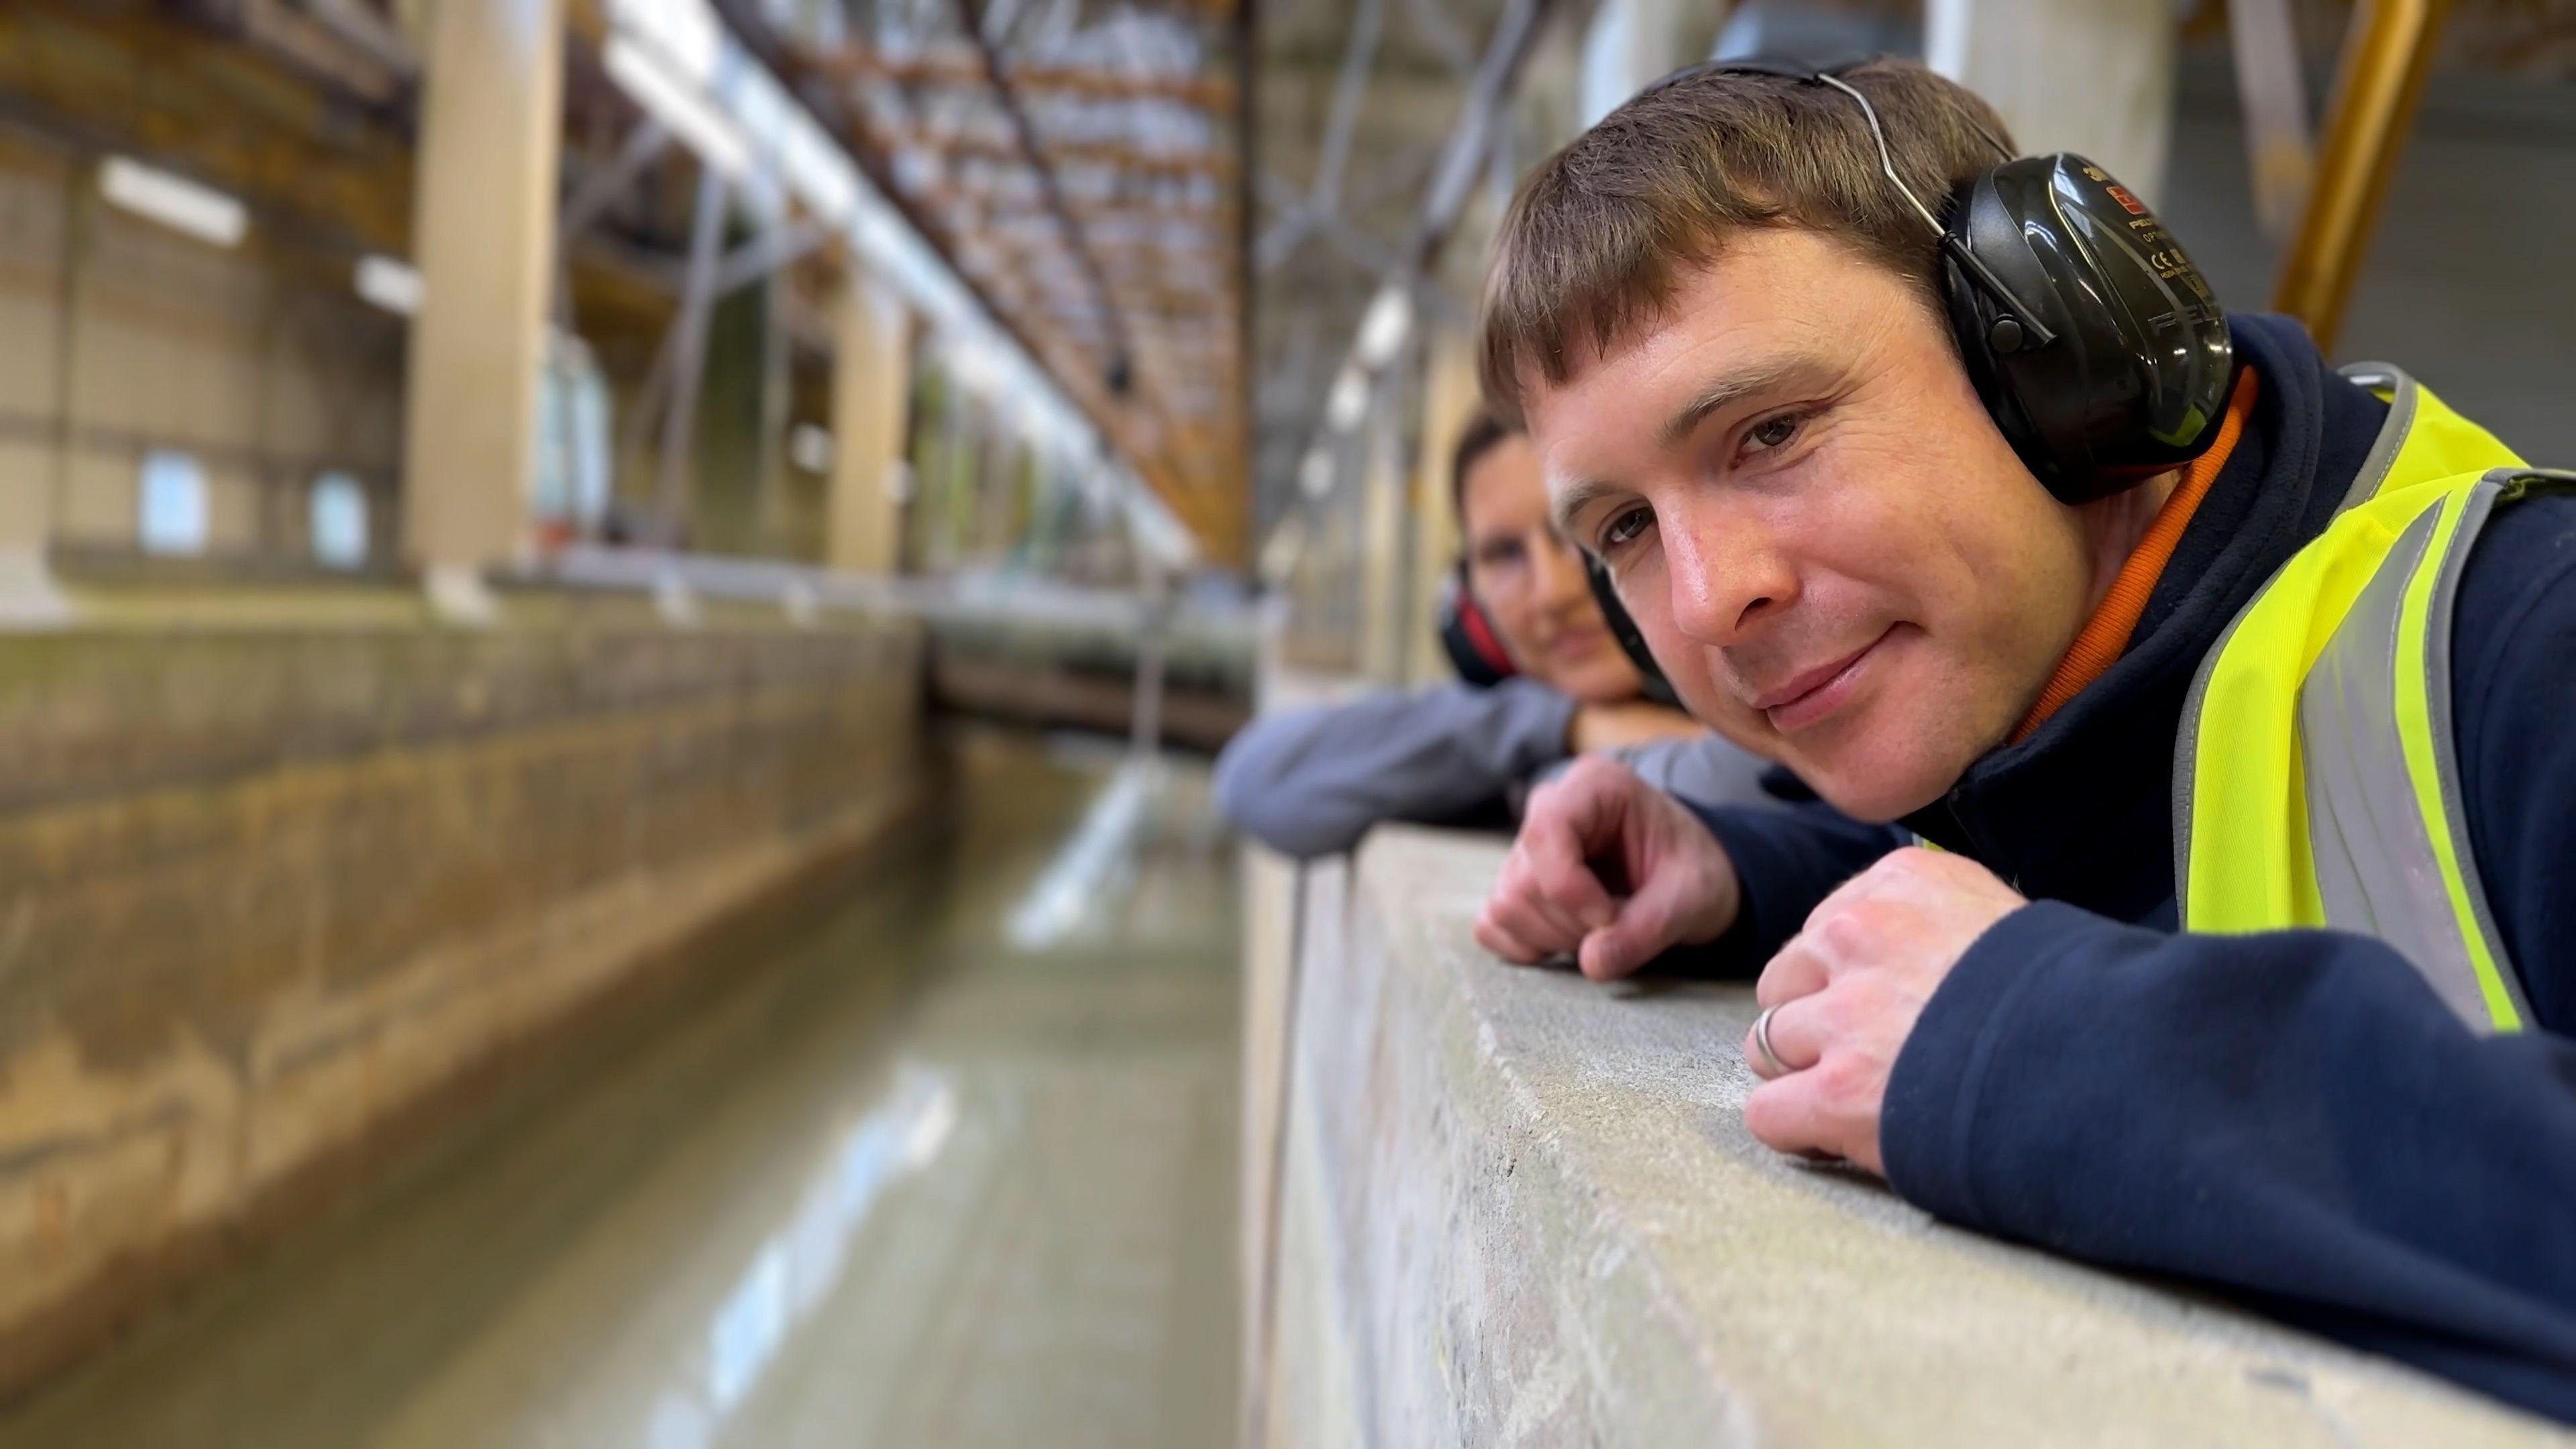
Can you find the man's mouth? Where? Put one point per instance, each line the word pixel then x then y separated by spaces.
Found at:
pixel 1818 692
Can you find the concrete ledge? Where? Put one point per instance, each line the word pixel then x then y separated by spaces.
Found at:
pixel 1513 1206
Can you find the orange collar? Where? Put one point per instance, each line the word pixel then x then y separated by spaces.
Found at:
pixel 2106 634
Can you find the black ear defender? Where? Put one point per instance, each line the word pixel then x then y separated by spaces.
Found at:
pixel 2094 342
pixel 1469 638
pixel 1632 640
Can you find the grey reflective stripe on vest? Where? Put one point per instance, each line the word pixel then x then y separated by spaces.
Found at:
pixel 2500 485
pixel 2375 464
pixel 2400 387
pixel 2375 867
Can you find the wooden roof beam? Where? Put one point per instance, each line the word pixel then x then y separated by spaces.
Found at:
pixel 960 67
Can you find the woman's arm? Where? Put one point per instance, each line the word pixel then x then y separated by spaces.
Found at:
pixel 1312 781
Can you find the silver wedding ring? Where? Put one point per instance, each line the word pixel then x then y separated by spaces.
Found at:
pixel 1762 1042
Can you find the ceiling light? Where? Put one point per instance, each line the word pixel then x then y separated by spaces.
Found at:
pixel 174 201
pixel 678 105
pixel 1348 402
pixel 687 33
pixel 389 284
pixel 1383 330
pixel 1315 474
pixel 810 448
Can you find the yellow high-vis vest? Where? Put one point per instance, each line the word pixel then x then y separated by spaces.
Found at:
pixel 2316 780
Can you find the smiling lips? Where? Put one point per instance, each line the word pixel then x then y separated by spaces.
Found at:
pixel 1818 692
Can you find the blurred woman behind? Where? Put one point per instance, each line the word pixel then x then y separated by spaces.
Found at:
pixel 1312 781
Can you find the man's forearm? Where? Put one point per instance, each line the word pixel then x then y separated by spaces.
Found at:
pixel 1312 781
pixel 2292 1115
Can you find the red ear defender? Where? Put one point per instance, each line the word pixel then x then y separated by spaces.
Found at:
pixel 1474 646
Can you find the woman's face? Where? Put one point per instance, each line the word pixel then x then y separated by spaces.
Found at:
pixel 1530 581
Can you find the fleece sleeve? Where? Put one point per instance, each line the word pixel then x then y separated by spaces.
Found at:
pixel 2294 1116
pixel 2291 1116
pixel 1787 859
pixel 1312 781
pixel 1708 768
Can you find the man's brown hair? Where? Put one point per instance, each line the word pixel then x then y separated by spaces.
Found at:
pixel 1600 234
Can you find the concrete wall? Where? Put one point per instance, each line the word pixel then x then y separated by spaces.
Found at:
pixel 266 887
pixel 1497 1205
pixel 2465 283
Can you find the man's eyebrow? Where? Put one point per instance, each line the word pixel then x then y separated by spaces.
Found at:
pixel 1726 392
pixel 1717 396
pixel 1564 506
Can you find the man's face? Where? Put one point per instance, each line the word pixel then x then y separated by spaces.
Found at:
pixel 1531 583
pixel 1835 555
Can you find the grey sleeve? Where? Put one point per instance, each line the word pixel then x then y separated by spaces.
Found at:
pixel 1709 768
pixel 1312 781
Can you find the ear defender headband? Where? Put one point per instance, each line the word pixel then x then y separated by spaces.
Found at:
pixel 2091 337
pixel 1632 640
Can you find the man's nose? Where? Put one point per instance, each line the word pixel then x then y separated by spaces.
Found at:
pixel 1726 575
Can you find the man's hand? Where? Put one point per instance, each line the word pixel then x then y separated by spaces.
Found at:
pixel 1847 991
pixel 1610 870
pixel 1634 722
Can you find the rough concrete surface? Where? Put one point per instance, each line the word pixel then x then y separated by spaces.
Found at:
pixel 1519 1207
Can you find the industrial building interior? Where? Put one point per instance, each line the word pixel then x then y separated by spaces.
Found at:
pixel 616 614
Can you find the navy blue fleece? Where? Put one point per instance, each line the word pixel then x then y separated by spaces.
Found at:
pixel 2290 1117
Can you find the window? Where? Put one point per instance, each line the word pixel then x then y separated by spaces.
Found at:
pixel 171 512
pixel 336 521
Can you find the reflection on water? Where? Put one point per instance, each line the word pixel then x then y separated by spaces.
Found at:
pixel 801 1262
pixel 1080 873
pixel 956 1170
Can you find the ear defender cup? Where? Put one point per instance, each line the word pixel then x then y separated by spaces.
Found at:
pixel 1474 646
pixel 2092 339
pixel 1632 640
pixel 2136 370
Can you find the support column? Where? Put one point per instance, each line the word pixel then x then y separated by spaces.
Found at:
pixel 483 236
pixel 777 382
pixel 675 495
pixel 1629 43
pixel 1384 631
pixel 34 474
pixel 871 393
pixel 2089 76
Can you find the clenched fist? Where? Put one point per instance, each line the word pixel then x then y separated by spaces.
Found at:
pixel 1610 870
pixel 1845 993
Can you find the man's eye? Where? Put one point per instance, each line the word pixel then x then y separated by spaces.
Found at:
pixel 1773 432
pixel 1625 527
